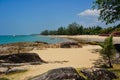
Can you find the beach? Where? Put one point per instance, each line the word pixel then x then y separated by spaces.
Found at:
pixel 84 56
pixel 60 57
pixel 90 38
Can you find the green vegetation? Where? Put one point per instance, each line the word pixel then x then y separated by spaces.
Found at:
pixel 4 78
pixel 80 73
pixel 109 10
pixel 116 69
pixel 16 72
pixel 77 29
pixel 108 50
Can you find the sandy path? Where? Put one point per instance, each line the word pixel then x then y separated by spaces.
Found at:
pixel 76 57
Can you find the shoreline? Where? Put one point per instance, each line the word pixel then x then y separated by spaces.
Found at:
pixel 88 38
pixel 84 56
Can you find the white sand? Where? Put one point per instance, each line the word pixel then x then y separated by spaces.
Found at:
pixel 76 57
pixel 90 38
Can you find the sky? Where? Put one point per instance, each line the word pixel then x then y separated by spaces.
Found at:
pixel 18 17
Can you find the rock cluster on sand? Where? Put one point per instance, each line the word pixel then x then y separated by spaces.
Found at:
pixel 21 58
pixel 14 62
pixel 21 46
pixel 28 46
pixel 69 73
pixel 98 74
pixel 70 45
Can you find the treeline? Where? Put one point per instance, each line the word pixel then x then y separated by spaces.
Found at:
pixel 76 29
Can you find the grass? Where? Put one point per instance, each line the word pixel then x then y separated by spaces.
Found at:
pixel 4 78
pixel 81 74
pixel 17 72
pixel 9 76
pixel 116 69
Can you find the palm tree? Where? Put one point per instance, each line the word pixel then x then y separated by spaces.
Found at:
pixel 108 50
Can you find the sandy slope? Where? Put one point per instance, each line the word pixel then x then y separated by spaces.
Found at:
pixel 90 38
pixel 74 57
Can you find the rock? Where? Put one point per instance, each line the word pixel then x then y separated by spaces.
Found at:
pixel 12 64
pixel 41 42
pixel 70 45
pixel 24 47
pixel 16 69
pixel 98 74
pixel 21 58
pixel 117 47
pixel 67 73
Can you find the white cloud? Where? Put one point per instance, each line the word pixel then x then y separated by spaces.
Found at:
pixel 90 12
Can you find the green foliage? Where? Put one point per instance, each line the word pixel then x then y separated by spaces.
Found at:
pixel 45 32
pixel 108 50
pixel 4 78
pixel 116 70
pixel 61 31
pixel 80 73
pixel 76 29
pixel 73 29
pixel 109 10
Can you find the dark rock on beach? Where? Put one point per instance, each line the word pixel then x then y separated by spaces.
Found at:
pixel 67 73
pixel 21 58
pixel 70 45
pixel 39 42
pixel 117 47
pixel 99 74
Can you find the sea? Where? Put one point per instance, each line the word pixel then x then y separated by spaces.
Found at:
pixel 6 39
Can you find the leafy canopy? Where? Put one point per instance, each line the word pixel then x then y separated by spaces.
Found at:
pixel 109 10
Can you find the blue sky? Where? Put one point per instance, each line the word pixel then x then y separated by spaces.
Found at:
pixel 34 16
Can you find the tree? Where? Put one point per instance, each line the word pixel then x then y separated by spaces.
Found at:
pixel 73 29
pixel 61 31
pixel 109 10
pixel 45 32
pixel 80 30
pixel 108 50
pixel 53 32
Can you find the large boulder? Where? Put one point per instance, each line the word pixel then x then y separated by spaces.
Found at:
pixel 117 47
pixel 98 74
pixel 67 73
pixel 21 58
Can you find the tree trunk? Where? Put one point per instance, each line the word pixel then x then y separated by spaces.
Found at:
pixel 109 62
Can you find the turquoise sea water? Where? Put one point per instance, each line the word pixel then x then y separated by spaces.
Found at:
pixel 30 38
